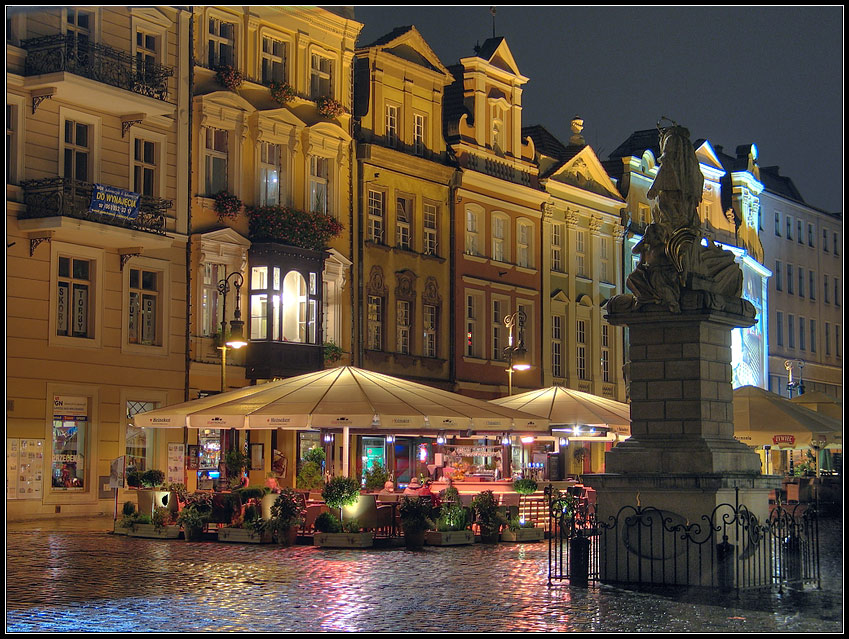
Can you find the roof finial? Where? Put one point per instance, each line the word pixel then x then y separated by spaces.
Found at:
pixel 492 11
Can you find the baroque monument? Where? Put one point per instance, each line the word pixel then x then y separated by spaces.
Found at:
pixel 686 298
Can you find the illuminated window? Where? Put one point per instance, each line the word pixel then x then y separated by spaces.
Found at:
pixel 269 174
pixel 139 441
pixel 259 301
pixel 68 465
pixel 375 323
pixel 74 297
pixel 430 321
pixel 143 324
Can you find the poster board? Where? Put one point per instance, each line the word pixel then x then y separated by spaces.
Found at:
pixel 24 468
pixel 176 464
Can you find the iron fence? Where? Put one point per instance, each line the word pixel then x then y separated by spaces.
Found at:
pixel 727 549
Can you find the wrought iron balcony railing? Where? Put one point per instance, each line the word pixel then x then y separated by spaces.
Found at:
pixel 65 197
pixel 51 54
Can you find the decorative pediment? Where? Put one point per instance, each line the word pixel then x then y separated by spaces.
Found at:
pixel 498 54
pixel 584 300
pixel 405 288
pixel 156 15
pixel 560 296
pixel 376 282
pixel 584 171
pixel 707 157
pixel 431 292
pixel 409 45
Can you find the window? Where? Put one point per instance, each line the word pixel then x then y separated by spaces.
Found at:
pixel 524 244
pixel 299 312
pixel 825 288
pixel 605 352
pixel 825 240
pixel 143 324
pixel 606 271
pixel 643 213
pixel 791 332
pixel 145 171
pixel 269 174
pixel 375 323
pixel 429 322
pixel 69 444
pixel 147 55
pixel 557 247
pixel 403 217
pixel 582 349
pixel 799 231
pixel 580 253
pixel 375 216
pixel 801 282
pixel 273 60
pixel 321 76
pixel 813 336
pixel 392 125
pixel 74 297
pixel 801 333
pixel 789 228
pixel 79 25
pixel 497 119
pixel 836 292
pixel 779 328
pixel 777 275
pixel 827 339
pixel 777 224
pixel 472 233
pixel 429 241
pixel 499 224
pixel 837 340
pixel 215 161
pixel 498 329
pixel 403 326
pixel 77 150
pixel 139 441
pixel 812 285
pixel 319 186
pixel 419 133
pixel 836 245
pixel 13 139
pixel 259 301
pixel 474 341
pixel 557 345
pixel 790 279
pixel 810 234
pixel 221 40
pixel 210 321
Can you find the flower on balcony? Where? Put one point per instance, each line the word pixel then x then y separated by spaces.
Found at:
pixel 282 92
pixel 290 226
pixel 328 107
pixel 227 205
pixel 228 77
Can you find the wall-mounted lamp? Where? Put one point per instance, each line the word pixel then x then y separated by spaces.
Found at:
pixel 440 438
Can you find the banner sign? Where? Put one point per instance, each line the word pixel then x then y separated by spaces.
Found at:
pixel 117 472
pixel 787 440
pixel 109 200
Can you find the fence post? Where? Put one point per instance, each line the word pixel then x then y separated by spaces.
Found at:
pixel 579 548
pixel 725 564
pixel 792 548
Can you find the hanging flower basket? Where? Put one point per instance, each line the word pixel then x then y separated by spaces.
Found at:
pixel 328 107
pixel 228 77
pixel 290 226
pixel 282 92
pixel 227 205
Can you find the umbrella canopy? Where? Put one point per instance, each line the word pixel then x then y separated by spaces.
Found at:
pixel 567 407
pixel 820 402
pixel 342 397
pixel 762 418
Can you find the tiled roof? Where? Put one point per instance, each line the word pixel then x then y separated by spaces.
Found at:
pixel 544 142
pixel 389 37
pixel 779 184
pixel 637 143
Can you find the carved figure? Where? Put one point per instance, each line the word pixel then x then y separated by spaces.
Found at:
pixel 679 182
pixel 655 280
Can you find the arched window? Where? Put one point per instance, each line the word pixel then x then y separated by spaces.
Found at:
pixel 298 312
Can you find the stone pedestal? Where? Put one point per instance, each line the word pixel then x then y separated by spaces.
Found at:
pixel 681 458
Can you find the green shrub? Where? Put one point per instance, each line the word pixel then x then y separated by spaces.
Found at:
pixel 452 516
pixel 152 478
pixel 415 514
pixel 341 491
pixel 129 508
pixel 161 517
pixel 515 523
pixel 310 477
pixel 375 477
pixel 315 455
pixel 525 486
pixel 328 523
pixel 134 478
pixel 286 511
pixel 351 526
pixel 486 511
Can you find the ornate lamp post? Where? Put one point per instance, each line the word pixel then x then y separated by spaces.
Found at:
pixel 237 339
pixel 799 385
pixel 517 356
pixel 817 445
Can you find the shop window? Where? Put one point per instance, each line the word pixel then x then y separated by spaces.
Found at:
pixel 69 443
pixel 143 324
pixel 139 441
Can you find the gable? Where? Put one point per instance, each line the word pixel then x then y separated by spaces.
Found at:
pixel 408 44
pixel 584 171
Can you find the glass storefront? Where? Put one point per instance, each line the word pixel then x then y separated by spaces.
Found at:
pixel 69 442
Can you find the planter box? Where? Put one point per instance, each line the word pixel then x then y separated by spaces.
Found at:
pixel 152 498
pixel 449 538
pixel 121 530
pixel 244 536
pixel 523 534
pixel 344 540
pixel 147 530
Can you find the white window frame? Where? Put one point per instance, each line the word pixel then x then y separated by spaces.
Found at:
pixel 524 243
pixel 499 334
pixel 472 231
pixel 264 168
pixel 375 322
pixel 474 324
pixel 557 235
pixel 95 302
pixel 162 268
pixel 557 322
pixel 391 113
pixel 94 122
pixel 581 344
pixel 376 216
pixel 211 154
pixel 430 228
pixel 581 253
pixel 430 327
pixel 315 178
pixel 320 78
pixel 606 270
pixel 605 352
pixel 500 237
pixel 419 134
pixel 404 227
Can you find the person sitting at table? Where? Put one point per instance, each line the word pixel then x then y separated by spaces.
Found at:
pixel 413 488
pixel 388 489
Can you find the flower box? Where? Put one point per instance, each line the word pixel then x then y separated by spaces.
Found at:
pixel 449 538
pixel 523 535
pixel 244 536
pixel 150 532
pixel 121 530
pixel 344 540
pixel 151 498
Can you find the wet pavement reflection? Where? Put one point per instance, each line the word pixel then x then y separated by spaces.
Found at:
pixel 90 580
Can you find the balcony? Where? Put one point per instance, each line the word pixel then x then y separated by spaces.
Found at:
pixel 64 197
pixel 65 53
pixel 267 360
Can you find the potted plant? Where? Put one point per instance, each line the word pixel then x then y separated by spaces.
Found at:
pixel 337 493
pixel 375 477
pixel 518 529
pixel 332 352
pixel 328 107
pixel 526 486
pixel 281 92
pixel 227 205
pixel 286 225
pixel 286 516
pixel 128 517
pixel 415 514
pixel 246 524
pixel 195 516
pixel 151 493
pixel 160 525
pixel 228 77
pixel 452 524
pixel 236 462
pixel 487 516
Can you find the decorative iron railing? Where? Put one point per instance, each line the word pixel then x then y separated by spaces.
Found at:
pixel 66 52
pixel 72 198
pixel 727 549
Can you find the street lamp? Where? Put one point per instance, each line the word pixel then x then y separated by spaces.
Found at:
pixel 818 445
pixel 237 339
pixel 517 356
pixel 800 385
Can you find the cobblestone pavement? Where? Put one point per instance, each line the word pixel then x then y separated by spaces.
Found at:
pixel 78 577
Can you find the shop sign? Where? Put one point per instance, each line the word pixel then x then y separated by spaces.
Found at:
pixel 475 451
pixel 787 440
pixel 65 459
pixel 67 406
pixel 118 203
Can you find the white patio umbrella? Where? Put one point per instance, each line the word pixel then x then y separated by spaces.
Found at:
pixel 762 418
pixel 343 397
pixel 567 407
pixel 820 402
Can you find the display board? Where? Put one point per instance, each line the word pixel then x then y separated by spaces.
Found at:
pixel 24 468
pixel 176 464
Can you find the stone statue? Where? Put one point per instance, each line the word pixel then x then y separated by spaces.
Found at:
pixel 674 265
pixel 577 126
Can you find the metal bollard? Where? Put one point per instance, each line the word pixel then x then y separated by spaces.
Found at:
pixel 579 550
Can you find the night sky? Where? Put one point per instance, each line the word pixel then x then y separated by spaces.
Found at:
pixel 772 76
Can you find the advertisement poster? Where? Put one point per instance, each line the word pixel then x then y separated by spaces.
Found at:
pixel 118 203
pixel 24 468
pixel 117 472
pixel 176 464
